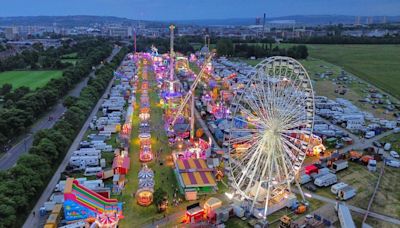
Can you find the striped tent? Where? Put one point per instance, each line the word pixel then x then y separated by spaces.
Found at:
pixel 195 173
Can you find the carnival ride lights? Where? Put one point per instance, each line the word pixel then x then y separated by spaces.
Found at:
pixel 144 194
pixel 190 94
pixel 107 220
pixel 145 154
pixel 171 87
pixel 277 102
pixel 182 63
pixel 154 51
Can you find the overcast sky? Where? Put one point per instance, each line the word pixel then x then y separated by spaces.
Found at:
pixel 197 9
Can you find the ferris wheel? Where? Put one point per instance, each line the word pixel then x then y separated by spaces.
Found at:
pixel 272 121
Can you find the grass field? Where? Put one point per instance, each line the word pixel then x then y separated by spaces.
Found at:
pixel 387 199
pixel 377 64
pixel 135 215
pixel 325 87
pixel 31 79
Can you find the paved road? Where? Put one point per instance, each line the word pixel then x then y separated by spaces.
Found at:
pixel 10 158
pixel 163 221
pixel 354 209
pixel 33 221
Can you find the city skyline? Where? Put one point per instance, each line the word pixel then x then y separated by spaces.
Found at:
pixel 159 10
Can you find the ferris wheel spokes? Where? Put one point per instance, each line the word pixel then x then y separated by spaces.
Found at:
pixel 275 108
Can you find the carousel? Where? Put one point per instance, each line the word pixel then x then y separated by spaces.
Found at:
pixel 107 220
pixel 145 154
pixel 144 195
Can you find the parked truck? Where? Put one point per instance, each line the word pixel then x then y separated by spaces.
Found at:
pixel 325 180
pixel 339 165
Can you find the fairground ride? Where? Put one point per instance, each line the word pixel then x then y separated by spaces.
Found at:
pixel 265 150
pixel 190 95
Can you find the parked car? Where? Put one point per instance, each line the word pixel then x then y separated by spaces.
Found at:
pixel 393 163
pixel 394 154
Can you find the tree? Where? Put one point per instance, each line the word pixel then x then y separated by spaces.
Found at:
pixel 69 101
pixel 5 89
pixel 46 148
pixel 302 51
pixel 160 199
pixel 225 47
pixel 7 212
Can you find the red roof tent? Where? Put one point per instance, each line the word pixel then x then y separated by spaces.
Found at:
pixel 121 165
pixel 311 169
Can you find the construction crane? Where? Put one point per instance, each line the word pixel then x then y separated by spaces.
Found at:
pixel 190 94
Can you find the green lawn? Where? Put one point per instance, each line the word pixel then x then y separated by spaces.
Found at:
pixel 377 64
pixel 325 87
pixel 32 79
pixel 135 215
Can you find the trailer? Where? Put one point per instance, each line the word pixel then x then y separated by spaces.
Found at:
pixel 339 165
pixel 83 161
pixel 346 193
pixel 81 153
pixel 304 179
pixel 336 187
pixel 92 171
pixel 344 215
pixel 325 180
pixel 321 172
pixel 87 149
pixel 93 184
pixel 102 146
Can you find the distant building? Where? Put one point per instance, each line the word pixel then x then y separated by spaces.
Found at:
pixel 11 33
pixel 118 31
pixel 258 21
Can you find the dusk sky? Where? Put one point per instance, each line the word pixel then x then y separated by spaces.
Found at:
pixel 197 9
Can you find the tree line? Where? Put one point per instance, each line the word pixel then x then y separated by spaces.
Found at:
pixel 226 47
pixel 181 44
pixel 22 185
pixel 338 39
pixel 37 58
pixel 22 106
